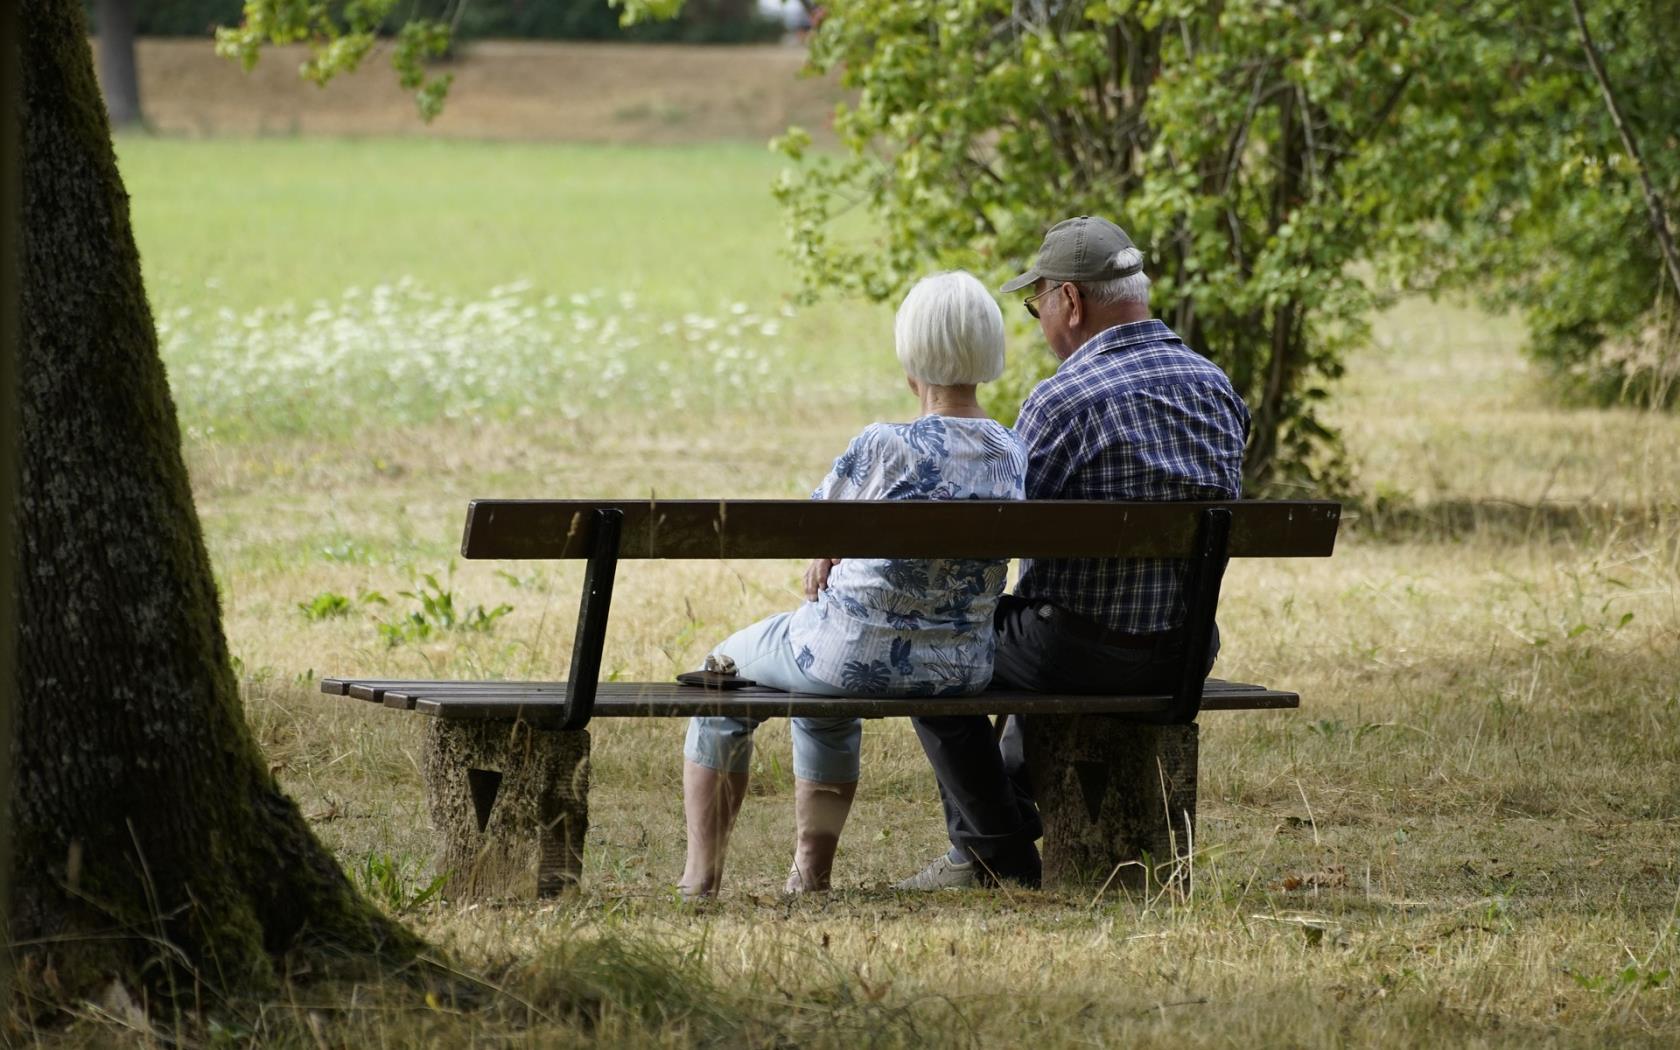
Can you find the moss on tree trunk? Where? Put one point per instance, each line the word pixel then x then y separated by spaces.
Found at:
pixel 151 842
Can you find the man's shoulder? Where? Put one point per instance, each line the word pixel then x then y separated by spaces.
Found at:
pixel 1174 361
pixel 1107 371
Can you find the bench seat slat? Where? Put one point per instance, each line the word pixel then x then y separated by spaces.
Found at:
pixel 541 703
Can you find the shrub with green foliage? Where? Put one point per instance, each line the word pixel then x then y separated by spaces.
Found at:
pixel 1269 158
pixel 1235 143
pixel 1543 206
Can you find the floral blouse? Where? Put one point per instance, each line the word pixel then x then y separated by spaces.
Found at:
pixel 912 627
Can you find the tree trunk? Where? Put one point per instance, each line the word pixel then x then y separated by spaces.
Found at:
pixel 11 250
pixel 118 71
pixel 150 841
pixel 1272 407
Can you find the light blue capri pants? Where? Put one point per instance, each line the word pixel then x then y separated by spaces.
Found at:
pixel 824 749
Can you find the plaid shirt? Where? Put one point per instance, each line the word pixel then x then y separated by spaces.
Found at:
pixel 1134 414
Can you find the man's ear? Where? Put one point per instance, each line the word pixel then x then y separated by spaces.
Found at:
pixel 1076 306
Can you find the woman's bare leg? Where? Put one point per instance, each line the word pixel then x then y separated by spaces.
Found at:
pixel 819 812
pixel 711 799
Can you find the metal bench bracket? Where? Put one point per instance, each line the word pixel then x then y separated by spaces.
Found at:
pixel 605 527
pixel 1201 601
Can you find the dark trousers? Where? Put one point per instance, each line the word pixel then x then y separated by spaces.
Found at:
pixel 989 811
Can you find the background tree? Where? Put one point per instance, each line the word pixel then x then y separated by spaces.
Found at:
pixel 152 844
pixel 11 248
pixel 1236 142
pixel 119 69
pixel 1286 166
pixel 1543 206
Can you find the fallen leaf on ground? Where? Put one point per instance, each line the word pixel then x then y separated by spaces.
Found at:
pixel 1332 877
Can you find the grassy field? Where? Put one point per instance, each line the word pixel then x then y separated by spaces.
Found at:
pixel 1467 835
pixel 487 282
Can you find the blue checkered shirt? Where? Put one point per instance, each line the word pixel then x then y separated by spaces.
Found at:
pixel 1134 414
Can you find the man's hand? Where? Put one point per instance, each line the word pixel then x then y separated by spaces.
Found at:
pixel 816 576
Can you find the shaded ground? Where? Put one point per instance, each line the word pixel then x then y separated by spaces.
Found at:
pixel 625 93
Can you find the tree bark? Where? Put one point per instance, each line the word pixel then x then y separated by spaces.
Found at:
pixel 119 74
pixel 11 248
pixel 151 842
pixel 1271 408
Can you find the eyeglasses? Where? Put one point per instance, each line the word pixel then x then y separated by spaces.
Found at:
pixel 1030 302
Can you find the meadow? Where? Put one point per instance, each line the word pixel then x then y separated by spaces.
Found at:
pixel 1467 835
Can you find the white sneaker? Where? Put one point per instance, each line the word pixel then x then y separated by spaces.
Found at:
pixel 943 873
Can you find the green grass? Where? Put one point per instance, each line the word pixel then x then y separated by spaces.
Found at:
pixel 1468 835
pixel 310 284
pixel 299 219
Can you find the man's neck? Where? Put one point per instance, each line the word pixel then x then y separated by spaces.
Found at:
pixel 1113 315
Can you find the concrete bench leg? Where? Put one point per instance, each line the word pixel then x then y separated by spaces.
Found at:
pixel 1117 798
pixel 511 804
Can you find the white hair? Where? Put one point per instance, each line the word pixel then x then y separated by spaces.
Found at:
pixel 1133 289
pixel 949 331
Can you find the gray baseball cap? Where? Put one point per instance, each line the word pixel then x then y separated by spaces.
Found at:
pixel 1079 249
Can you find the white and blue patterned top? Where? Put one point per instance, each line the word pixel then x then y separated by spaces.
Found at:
pixel 1134 414
pixel 912 627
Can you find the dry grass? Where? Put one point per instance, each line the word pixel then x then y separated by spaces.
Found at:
pixel 1466 836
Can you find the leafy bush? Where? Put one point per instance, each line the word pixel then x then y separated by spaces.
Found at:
pixel 1550 213
pixel 438 613
pixel 1243 145
pixel 1283 166
pixel 328 605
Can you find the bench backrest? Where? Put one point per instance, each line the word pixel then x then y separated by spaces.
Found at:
pixel 895 528
pixel 1205 535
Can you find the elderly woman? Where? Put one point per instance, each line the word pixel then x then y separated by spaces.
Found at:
pixel 872 627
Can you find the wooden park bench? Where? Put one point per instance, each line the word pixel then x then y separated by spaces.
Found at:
pixel 506 763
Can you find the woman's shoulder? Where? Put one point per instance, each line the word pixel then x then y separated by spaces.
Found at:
pixel 995 432
pixel 874 434
pixel 940 438
pixel 989 434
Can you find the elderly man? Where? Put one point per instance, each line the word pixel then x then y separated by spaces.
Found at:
pixel 1132 413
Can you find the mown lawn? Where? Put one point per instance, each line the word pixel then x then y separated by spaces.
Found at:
pixel 1466 836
